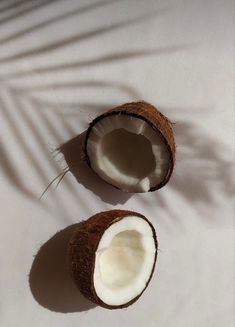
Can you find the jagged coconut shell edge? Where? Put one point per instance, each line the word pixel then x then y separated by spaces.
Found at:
pixel 153 117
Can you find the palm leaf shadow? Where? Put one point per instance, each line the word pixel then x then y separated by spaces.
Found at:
pixel 77 38
pixel 8 165
pixel 11 170
pixel 53 20
pixel 23 11
pixel 14 5
pixel 12 174
pixel 40 144
pixel 90 181
pixel 111 58
pixel 203 167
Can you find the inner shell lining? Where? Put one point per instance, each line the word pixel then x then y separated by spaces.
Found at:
pixel 122 288
pixel 131 153
pixel 109 171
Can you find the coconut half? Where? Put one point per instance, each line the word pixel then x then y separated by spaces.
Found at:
pixel 132 147
pixel 112 257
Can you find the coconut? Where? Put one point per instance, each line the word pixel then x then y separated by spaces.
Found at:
pixel 131 147
pixel 112 257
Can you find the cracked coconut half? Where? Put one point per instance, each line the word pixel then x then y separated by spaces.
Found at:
pixel 132 147
pixel 112 257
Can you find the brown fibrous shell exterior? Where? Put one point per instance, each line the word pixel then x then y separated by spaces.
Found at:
pixel 82 250
pixel 153 117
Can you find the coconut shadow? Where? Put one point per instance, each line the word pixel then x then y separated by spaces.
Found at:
pixel 73 151
pixel 49 278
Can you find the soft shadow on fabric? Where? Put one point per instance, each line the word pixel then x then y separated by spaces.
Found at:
pixel 49 279
pixel 202 166
pixel 73 152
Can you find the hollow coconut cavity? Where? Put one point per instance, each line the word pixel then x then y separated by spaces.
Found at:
pixel 112 257
pixel 132 147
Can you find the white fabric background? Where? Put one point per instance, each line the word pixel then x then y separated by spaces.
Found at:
pixel 61 64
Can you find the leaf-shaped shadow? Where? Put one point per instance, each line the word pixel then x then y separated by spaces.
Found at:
pixel 7 161
pixel 14 5
pixel 53 20
pixel 26 9
pixel 201 167
pixel 13 175
pixel 31 111
pixel 112 58
pixel 84 36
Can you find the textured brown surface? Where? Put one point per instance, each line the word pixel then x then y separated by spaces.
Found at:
pixel 155 118
pixel 82 248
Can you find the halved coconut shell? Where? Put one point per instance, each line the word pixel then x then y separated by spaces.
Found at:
pixel 112 257
pixel 132 147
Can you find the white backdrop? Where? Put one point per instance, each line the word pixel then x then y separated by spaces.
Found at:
pixel 61 64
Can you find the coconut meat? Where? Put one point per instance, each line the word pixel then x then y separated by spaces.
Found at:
pixel 128 153
pixel 124 260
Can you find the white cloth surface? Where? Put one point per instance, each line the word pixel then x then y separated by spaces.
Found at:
pixel 61 64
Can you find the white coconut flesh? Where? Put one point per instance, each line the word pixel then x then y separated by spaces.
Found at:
pixel 128 153
pixel 124 260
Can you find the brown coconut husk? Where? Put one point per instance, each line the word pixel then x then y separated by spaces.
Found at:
pixel 153 117
pixel 82 249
